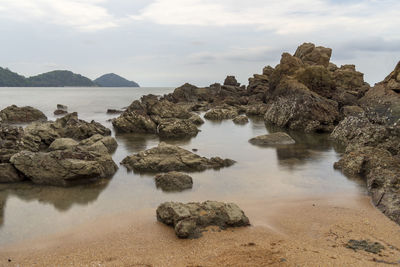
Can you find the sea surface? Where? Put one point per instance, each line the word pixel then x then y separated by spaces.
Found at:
pixel 302 170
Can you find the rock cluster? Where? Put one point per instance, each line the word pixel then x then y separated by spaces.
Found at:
pixel 166 158
pixel 66 152
pixel 158 116
pixel 190 219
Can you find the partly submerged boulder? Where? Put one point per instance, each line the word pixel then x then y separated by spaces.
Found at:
pixel 190 219
pixel 15 114
pixel 222 113
pixel 279 138
pixel 8 174
pixel 241 119
pixel 173 181
pixel 176 128
pixel 165 158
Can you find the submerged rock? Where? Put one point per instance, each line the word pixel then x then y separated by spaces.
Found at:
pixel 241 119
pixel 189 220
pixel 173 181
pixel 165 158
pixel 15 114
pixel 279 138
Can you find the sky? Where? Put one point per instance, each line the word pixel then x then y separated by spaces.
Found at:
pixel 170 42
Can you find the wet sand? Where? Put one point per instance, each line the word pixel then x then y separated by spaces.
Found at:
pixel 284 232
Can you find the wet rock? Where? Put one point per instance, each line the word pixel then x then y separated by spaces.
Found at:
pixel 190 219
pixel 173 181
pixel 231 80
pixel 8 174
pixel 114 111
pixel 165 158
pixel 312 55
pixel 372 247
pixel 242 119
pixel 64 167
pixel 272 139
pixel 381 171
pixel 15 114
pixel 221 113
pixel 175 128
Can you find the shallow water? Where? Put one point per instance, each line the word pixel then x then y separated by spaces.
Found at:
pixel 304 169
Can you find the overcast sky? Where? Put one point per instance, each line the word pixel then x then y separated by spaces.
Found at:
pixel 169 42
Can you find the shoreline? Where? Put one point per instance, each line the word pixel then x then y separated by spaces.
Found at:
pixel 305 231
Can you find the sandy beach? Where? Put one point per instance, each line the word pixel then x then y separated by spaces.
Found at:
pixel 296 232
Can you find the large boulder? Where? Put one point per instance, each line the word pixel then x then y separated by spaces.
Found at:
pixel 231 81
pixel 176 128
pixel 190 219
pixel 173 181
pixel 165 158
pixel 64 167
pixel 15 114
pixel 279 138
pixel 382 174
pixel 296 107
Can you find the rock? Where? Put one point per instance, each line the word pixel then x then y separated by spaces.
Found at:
pixel 62 144
pixel 8 174
pixel 175 128
pixel 221 113
pixel 107 141
pixel 278 138
pixel 392 81
pixel 372 247
pixel 296 107
pixel 174 181
pixel 114 111
pixel 165 158
pixel 64 167
pixel 190 219
pixel 14 114
pixel 62 107
pixel 318 79
pixel 312 55
pixel 196 119
pixel 256 110
pixel 348 79
pixel 353 111
pixel 134 122
pixel 242 119
pixel 231 80
pixel 60 112
pixel 381 171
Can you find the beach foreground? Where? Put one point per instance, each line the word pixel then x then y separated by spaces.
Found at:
pixel 312 232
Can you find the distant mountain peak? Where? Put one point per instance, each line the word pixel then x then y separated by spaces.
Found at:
pixel 114 80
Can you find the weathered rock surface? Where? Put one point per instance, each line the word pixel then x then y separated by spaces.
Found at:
pixel 61 110
pixel 382 174
pixel 241 119
pixel 173 181
pixel 8 174
pixel 231 81
pixel 279 138
pixel 189 220
pixel 62 144
pixel 222 113
pixel 114 111
pixel 392 81
pixel 165 158
pixel 158 116
pixel 64 167
pixel 15 114
pixel 312 55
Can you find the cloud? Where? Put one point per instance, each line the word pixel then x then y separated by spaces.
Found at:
pixel 283 17
pixel 85 15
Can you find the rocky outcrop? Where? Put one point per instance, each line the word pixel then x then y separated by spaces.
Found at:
pixel 15 114
pixel 312 55
pixel 392 81
pixel 382 174
pixel 8 174
pixel 158 116
pixel 173 181
pixel 273 139
pixel 231 81
pixel 64 167
pixel 165 158
pixel 190 219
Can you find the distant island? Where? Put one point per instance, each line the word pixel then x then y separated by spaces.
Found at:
pixel 114 80
pixel 61 78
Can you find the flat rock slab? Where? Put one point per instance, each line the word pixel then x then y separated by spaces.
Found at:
pixel 190 219
pixel 173 181
pixel 273 139
pixel 165 158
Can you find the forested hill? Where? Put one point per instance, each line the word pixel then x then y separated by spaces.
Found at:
pixel 114 80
